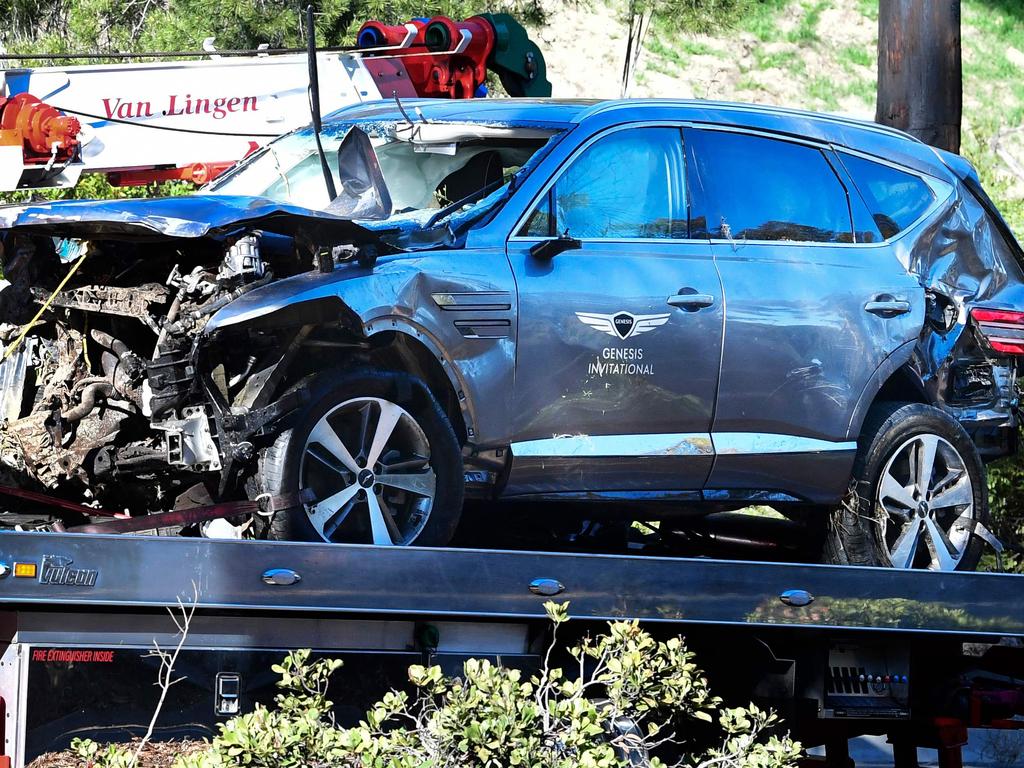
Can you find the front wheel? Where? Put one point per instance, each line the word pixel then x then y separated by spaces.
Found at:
pixel 374 459
pixel 917 496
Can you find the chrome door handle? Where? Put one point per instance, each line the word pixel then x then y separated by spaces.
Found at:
pixel 690 301
pixel 887 307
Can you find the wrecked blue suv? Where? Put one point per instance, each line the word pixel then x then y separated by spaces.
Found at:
pixel 670 307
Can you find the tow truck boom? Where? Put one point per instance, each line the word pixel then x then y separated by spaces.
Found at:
pixel 190 120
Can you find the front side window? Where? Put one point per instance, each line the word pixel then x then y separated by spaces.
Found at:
pixel 757 188
pixel 627 184
pixel 895 198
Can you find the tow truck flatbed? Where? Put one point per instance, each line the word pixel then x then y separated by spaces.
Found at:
pixel 74 570
pixel 840 651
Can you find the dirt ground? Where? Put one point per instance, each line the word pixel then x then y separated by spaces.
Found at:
pixel 585 44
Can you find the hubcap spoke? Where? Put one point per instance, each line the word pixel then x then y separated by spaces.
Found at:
pixel 389 518
pixel 321 513
pixel 364 426
pixel 326 459
pixel 945 555
pixel 389 417
pixel 419 462
pixel 379 527
pixel 338 520
pixel 422 483
pixel 927 446
pixel 905 548
pixel 961 492
pixel 892 488
pixel 325 435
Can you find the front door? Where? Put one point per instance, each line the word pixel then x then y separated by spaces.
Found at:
pixel 619 340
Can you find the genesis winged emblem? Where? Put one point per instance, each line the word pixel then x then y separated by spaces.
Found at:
pixel 622 325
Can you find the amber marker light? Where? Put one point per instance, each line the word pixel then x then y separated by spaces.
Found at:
pixel 25 570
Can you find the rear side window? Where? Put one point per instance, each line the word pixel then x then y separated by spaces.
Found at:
pixel 896 199
pixel 756 188
pixel 627 184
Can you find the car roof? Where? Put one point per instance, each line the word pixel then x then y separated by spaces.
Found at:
pixel 554 112
pixel 859 135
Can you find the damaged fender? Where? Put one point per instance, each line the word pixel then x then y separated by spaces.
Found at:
pixel 466 324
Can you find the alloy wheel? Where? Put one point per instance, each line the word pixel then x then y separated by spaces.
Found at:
pixel 367 463
pixel 926 499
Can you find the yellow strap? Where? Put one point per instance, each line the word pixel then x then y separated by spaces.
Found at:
pixel 46 305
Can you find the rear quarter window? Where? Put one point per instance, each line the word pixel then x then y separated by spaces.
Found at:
pixel 895 198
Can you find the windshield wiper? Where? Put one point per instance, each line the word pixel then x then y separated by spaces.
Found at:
pixel 470 198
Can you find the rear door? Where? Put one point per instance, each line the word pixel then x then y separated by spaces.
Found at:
pixel 619 340
pixel 814 304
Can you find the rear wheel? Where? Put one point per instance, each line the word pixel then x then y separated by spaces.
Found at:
pixel 918 493
pixel 374 459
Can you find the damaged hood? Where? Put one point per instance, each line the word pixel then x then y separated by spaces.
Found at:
pixel 192 216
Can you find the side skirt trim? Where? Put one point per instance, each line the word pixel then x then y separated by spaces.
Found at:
pixel 692 444
pixel 676 444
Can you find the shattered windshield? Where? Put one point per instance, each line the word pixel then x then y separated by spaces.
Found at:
pixel 428 167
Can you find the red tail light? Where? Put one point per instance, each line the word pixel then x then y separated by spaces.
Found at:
pixel 1003 328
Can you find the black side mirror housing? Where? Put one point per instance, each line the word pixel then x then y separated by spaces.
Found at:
pixel 548 249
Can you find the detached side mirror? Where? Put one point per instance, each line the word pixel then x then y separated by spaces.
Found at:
pixel 548 249
pixel 364 193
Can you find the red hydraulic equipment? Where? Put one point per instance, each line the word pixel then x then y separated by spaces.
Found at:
pixel 45 135
pixel 443 58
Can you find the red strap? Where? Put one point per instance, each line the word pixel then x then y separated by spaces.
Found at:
pixel 174 517
pixel 53 501
pixel 190 516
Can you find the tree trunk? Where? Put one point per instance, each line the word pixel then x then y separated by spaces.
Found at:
pixel 920 78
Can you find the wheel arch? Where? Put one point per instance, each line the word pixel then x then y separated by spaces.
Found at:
pixel 402 347
pixel 394 343
pixel 897 379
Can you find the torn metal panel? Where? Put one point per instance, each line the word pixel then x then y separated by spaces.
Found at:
pixel 192 216
pixel 964 259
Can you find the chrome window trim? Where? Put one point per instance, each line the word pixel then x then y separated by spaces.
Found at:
pixel 797 243
pixel 676 444
pixel 762 133
pixel 942 190
pixel 663 240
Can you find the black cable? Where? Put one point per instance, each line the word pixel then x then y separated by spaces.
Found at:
pixel 189 54
pixel 167 54
pixel 314 102
pixel 161 127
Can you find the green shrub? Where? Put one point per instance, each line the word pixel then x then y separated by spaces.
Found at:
pixel 491 717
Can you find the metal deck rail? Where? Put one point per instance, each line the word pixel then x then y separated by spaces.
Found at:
pixel 48 571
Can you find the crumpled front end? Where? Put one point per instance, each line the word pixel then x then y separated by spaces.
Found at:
pixel 108 386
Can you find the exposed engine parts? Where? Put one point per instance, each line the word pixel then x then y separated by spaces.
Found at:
pixel 109 299
pixel 242 260
pixel 103 394
pixel 189 440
